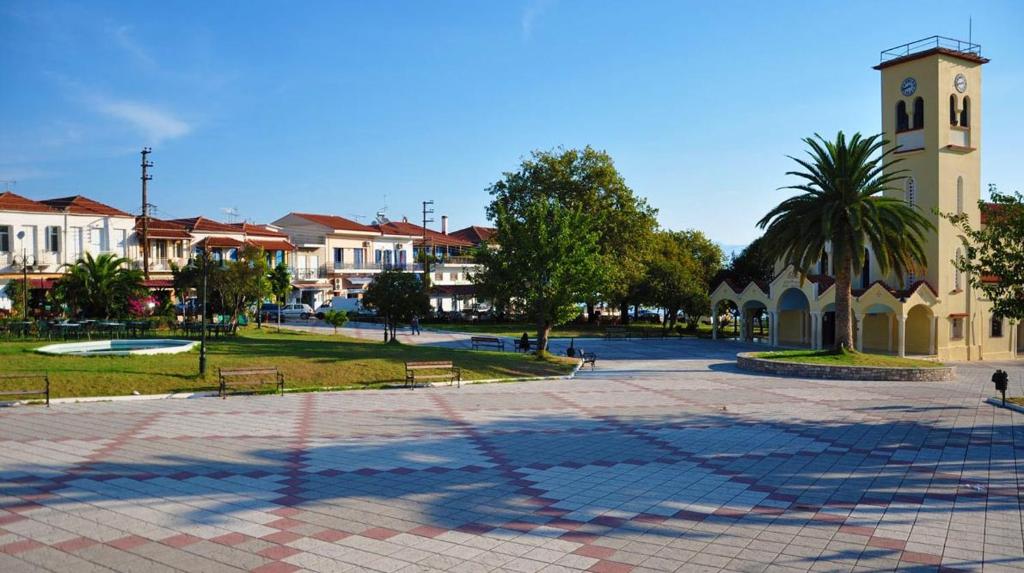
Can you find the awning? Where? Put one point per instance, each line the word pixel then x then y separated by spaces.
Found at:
pixel 158 283
pixel 173 234
pixel 453 290
pixel 46 284
pixel 359 280
pixel 272 244
pixel 219 242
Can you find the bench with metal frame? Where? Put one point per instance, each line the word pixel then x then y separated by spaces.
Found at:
pixel 433 371
pixel 588 358
pixel 492 341
pixel 532 344
pixel 249 377
pixel 26 392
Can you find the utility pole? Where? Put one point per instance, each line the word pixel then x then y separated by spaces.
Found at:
pixel 146 164
pixel 428 209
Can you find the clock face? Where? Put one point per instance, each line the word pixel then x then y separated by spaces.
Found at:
pixel 960 83
pixel 908 87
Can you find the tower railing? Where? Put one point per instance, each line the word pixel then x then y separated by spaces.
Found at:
pixel 930 43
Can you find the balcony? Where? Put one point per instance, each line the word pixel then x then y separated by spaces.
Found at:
pixel 307 274
pixel 457 260
pixel 959 137
pixel 373 266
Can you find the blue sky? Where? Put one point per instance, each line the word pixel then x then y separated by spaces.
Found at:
pixel 347 107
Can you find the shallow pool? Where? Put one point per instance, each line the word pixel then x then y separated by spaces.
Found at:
pixel 119 347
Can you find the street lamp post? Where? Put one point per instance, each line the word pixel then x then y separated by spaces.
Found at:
pixel 202 315
pixel 25 262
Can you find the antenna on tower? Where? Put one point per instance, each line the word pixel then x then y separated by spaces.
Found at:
pixel 232 212
pixel 8 183
pixel 970 29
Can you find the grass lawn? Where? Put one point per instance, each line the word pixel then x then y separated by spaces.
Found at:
pixel 309 361
pixel 829 358
pixel 1016 400
pixel 566 331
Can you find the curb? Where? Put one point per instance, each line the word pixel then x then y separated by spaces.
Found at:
pixel 998 402
pixel 750 362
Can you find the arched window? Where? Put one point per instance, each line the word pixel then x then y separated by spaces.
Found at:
pixel 902 119
pixel 952 109
pixel 911 191
pixel 919 113
pixel 957 280
pixel 965 113
pixel 959 195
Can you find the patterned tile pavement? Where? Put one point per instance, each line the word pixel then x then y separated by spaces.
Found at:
pixel 664 458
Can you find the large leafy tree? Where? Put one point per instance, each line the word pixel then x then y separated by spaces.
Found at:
pixel 752 264
pixel 15 291
pixel 548 260
pixel 100 287
pixel 243 281
pixel 586 179
pixel 397 296
pixel 841 204
pixel 993 255
pixel 680 268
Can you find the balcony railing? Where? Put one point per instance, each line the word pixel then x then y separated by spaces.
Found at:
pixel 161 263
pixel 307 274
pixel 374 266
pixel 929 44
pixel 457 260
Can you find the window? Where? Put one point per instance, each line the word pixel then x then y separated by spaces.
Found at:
pixel 339 256
pixel 5 238
pixel 357 258
pixel 911 191
pixel 959 195
pixel 952 109
pixel 957 280
pixel 439 276
pixel 160 249
pixel 53 239
pixel 965 113
pixel 957 328
pixel 179 249
pixel 902 119
pixel 455 276
pixel 919 113
pixel 997 327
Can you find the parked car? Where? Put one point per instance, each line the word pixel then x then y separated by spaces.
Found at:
pixel 297 310
pixel 649 316
pixel 270 311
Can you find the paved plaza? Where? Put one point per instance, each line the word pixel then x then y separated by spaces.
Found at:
pixel 664 458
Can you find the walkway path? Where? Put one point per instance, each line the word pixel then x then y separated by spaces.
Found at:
pixel 665 458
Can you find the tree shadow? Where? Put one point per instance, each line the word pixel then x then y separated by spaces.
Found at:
pixel 578 478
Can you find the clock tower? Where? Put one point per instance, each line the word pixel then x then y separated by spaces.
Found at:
pixel 931 111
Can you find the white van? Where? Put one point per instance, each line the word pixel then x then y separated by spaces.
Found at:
pixel 349 305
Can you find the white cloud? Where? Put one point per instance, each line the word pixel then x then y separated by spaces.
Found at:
pixel 122 36
pixel 156 124
pixel 533 11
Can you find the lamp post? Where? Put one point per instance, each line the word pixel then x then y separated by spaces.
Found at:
pixel 204 258
pixel 25 262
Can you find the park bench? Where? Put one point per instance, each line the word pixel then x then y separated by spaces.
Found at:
pixel 617 332
pixel 249 378
pixel 588 358
pixel 531 345
pixel 491 341
pixel 40 389
pixel 433 370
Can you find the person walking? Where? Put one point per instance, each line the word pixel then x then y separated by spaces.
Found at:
pixel 415 324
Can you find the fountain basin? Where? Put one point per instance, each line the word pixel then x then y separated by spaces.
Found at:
pixel 119 347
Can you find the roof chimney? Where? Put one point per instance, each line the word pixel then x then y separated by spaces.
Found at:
pixel 444 224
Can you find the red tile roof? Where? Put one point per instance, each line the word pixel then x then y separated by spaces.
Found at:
pixel 271 244
pixel 204 225
pixel 160 229
pixel 475 234
pixel 13 202
pixel 84 206
pixel 259 230
pixel 335 222
pixel 411 230
pixel 219 242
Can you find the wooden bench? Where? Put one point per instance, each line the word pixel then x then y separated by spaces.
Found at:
pixel 42 379
pixel 249 377
pixel 435 370
pixel 588 358
pixel 617 332
pixel 491 341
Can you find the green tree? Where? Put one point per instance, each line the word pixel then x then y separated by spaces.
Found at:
pixel 280 283
pixel 15 291
pixel 841 204
pixel 752 264
pixel 397 296
pixel 548 259
pixel 587 180
pixel 336 318
pixel 243 281
pixel 993 255
pixel 680 269
pixel 100 287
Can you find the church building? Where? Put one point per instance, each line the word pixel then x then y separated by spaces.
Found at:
pixel 931 110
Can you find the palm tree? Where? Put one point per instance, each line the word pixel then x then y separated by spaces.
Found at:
pixel 842 204
pixel 100 287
